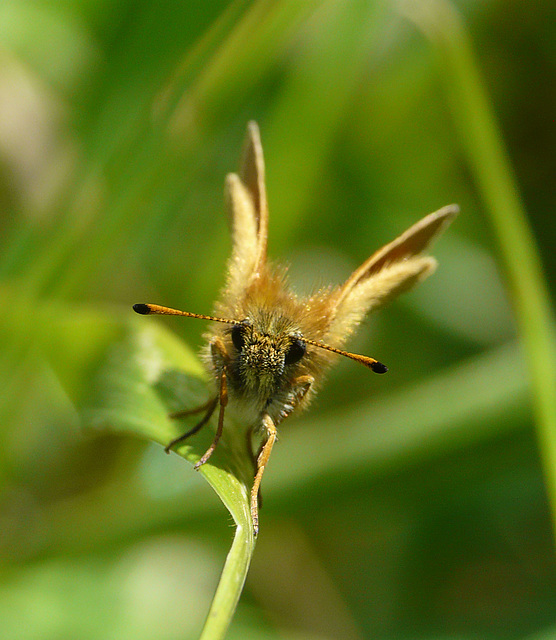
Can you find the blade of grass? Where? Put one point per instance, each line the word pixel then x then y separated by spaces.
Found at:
pixel 145 362
pixel 135 381
pixel 489 163
pixel 231 583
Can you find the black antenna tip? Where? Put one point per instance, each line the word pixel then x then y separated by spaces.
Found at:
pixel 143 309
pixel 378 367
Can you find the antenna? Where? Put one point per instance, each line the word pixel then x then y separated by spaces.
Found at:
pixel 366 361
pixel 156 309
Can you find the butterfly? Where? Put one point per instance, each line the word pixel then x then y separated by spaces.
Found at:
pixel 268 348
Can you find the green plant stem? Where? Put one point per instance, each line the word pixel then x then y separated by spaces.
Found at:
pixel 230 585
pixel 488 160
pixel 235 496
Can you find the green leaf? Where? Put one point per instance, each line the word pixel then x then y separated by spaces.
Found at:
pixel 137 378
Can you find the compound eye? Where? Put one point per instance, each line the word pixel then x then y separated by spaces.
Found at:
pixel 295 352
pixel 238 336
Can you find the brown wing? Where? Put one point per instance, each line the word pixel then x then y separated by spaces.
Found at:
pixel 253 177
pixel 246 197
pixel 394 268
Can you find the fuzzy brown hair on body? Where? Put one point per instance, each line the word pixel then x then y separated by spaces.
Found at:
pixel 267 349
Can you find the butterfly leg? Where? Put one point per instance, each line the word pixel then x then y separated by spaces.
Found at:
pixel 262 460
pixel 223 400
pixel 219 354
pixel 252 455
pixel 302 386
pixel 191 412
pixel 218 350
pixel 209 406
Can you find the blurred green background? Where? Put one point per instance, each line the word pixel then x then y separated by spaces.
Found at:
pixel 405 506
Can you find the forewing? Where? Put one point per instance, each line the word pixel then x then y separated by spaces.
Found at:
pixel 247 204
pixel 394 268
pixel 253 177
